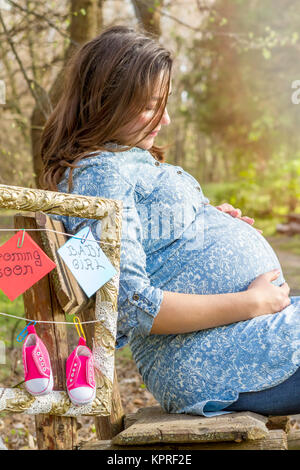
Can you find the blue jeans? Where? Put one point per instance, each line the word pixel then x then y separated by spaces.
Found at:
pixel 283 399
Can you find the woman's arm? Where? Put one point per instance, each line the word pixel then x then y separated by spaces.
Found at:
pixel 184 313
pixel 139 303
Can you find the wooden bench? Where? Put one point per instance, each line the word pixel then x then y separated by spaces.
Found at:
pixel 291 227
pixel 152 428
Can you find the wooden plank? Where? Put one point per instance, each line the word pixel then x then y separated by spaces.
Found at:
pixel 274 440
pixel 288 229
pixel 294 439
pixel 154 426
pixel 71 297
pixel 279 422
pixel 41 303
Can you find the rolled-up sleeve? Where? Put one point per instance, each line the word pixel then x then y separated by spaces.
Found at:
pixel 138 301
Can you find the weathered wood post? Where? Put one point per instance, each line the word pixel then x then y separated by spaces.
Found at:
pixel 40 302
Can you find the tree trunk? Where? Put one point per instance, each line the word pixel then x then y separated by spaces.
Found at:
pixel 148 14
pixel 85 24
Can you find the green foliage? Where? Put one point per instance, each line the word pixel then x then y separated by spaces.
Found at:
pixel 267 196
pixel 124 353
pixel 7 324
pixel 291 245
pixel 239 88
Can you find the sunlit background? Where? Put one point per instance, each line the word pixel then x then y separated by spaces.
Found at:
pixel 235 106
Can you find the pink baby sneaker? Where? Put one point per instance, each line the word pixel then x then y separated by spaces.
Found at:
pixel 37 367
pixel 80 374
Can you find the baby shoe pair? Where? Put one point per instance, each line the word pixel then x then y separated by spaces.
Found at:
pixel 80 375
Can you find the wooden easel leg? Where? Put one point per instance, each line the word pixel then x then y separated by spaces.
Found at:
pixel 110 426
pixel 56 432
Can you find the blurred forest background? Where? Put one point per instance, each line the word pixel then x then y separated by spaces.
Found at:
pixel 234 114
pixel 234 125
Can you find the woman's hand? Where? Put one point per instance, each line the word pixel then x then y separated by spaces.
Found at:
pixel 229 209
pixel 269 298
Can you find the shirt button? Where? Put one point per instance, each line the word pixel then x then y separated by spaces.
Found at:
pixel 198 187
pixel 135 297
pixel 179 172
pixel 157 163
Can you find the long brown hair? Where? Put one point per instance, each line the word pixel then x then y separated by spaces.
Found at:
pixel 108 82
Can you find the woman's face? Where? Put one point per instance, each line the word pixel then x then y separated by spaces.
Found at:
pixel 140 122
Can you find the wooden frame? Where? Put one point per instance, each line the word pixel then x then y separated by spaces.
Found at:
pixel 110 213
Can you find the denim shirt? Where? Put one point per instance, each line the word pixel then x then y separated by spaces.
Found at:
pixel 150 232
pixel 174 240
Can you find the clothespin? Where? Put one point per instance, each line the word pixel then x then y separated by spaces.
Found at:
pixel 24 332
pixel 78 326
pixel 83 240
pixel 22 241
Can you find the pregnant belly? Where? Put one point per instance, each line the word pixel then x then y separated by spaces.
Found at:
pixel 230 256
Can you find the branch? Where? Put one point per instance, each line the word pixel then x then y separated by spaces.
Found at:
pixel 241 38
pixel 27 79
pixel 43 18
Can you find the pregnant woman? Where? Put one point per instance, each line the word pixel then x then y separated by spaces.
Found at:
pixel 202 298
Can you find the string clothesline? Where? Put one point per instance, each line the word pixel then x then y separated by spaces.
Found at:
pixel 47 321
pixel 53 231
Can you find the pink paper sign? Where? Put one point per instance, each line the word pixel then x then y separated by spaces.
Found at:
pixel 22 267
